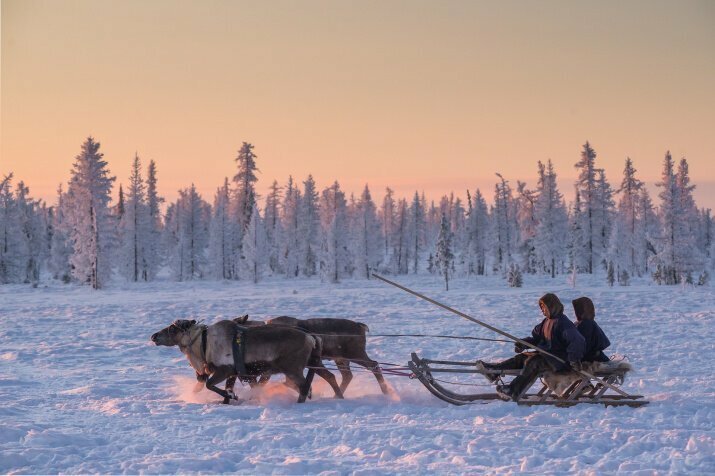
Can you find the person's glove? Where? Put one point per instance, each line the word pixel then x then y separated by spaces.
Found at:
pixel 578 366
pixel 519 347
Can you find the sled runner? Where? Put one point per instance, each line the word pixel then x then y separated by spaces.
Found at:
pixel 555 388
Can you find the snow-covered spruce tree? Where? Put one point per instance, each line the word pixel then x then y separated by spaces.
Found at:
pixel 309 224
pixel 504 226
pixel 89 220
pixel 245 197
pixel 60 246
pixel 477 235
pixel 117 212
pixel 602 216
pixel 668 210
pixel 444 256
pixel 387 222
pixel 401 239
pixel 610 274
pixel 434 217
pixel 33 225
pixel 290 240
pixel 659 274
pixel 618 255
pixel 255 248
pixel 467 251
pixel 12 266
pixel 552 228
pixel 690 258
pixel 170 237
pixel 649 229
pixel 458 225
pixel 273 229
pixel 47 217
pixel 119 209
pixel 514 277
pixel 525 203
pixel 134 228
pixel 334 234
pixel 627 235
pixel 416 231
pixel 586 189
pixel 24 214
pixel 351 220
pixel 367 242
pixel 677 249
pixel 154 253
pixel 220 235
pixel 578 259
pixel 705 236
pixel 187 224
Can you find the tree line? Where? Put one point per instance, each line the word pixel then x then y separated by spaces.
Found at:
pixel 301 231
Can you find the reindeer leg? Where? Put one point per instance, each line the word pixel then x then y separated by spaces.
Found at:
pixel 374 366
pixel 200 380
pixel 347 376
pixel 221 374
pixel 230 382
pixel 305 388
pixel 327 375
pixel 296 381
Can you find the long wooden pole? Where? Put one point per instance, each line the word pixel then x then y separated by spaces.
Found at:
pixel 498 331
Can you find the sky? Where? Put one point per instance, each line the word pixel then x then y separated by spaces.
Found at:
pixel 428 96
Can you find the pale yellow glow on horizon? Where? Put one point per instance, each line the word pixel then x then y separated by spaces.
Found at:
pixel 428 96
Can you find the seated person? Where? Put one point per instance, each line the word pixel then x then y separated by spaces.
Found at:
pixel 556 334
pixel 596 340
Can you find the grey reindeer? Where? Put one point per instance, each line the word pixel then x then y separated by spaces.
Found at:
pixel 344 341
pixel 268 350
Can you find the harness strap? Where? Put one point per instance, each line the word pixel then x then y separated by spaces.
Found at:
pixel 239 353
pixel 203 342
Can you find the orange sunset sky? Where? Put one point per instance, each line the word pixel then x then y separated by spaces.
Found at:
pixel 433 96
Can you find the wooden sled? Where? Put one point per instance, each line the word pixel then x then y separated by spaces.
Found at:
pixel 580 390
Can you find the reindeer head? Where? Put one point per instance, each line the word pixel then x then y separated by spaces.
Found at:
pixel 171 335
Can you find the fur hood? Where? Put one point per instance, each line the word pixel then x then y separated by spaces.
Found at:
pixel 553 304
pixel 584 309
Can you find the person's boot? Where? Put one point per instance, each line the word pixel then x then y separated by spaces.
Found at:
pixel 504 392
pixel 484 368
pixel 517 385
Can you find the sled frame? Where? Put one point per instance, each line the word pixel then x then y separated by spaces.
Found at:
pixel 583 390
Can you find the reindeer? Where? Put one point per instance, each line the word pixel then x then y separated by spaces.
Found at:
pixel 268 350
pixel 343 341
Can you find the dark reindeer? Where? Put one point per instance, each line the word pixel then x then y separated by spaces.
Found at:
pixel 269 350
pixel 343 341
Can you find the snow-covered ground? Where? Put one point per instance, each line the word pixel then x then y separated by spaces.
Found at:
pixel 83 390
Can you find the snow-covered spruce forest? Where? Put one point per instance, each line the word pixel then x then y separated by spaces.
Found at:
pixel 297 230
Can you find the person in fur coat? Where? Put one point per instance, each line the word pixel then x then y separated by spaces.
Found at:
pixel 556 334
pixel 596 340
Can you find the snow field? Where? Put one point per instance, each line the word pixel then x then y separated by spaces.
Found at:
pixel 82 390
